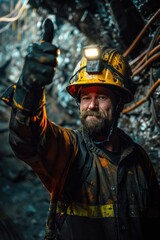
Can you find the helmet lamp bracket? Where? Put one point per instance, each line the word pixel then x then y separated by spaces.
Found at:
pixel 94 61
pixel 94 66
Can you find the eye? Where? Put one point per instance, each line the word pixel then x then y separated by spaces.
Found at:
pixel 102 97
pixel 85 98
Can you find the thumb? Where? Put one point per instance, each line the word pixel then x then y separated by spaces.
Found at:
pixel 48 31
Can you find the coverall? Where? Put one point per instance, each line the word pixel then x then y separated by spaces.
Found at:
pixel 94 194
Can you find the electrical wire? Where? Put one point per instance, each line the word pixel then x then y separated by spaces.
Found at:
pixel 135 42
pixel 14 10
pixel 12 19
pixel 149 94
pixel 5 28
pixel 148 55
pixel 146 64
pixel 131 63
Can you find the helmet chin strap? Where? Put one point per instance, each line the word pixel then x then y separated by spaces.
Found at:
pixel 113 126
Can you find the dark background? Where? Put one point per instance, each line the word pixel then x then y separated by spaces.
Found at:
pixel 125 25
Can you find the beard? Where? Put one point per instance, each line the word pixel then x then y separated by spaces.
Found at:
pixel 99 125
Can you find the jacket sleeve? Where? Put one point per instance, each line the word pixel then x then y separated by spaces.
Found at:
pixel 149 171
pixel 152 214
pixel 49 149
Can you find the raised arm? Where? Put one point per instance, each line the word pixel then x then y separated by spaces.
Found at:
pixel 33 138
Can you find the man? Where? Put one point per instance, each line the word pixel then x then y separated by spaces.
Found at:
pixel 102 184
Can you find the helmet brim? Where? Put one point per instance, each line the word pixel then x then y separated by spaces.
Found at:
pixel 75 88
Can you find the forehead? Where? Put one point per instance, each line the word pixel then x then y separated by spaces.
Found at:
pixel 96 89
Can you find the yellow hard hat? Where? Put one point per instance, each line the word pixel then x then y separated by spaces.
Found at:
pixel 109 69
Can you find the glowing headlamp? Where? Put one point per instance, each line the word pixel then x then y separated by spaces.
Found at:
pixel 92 52
pixel 94 61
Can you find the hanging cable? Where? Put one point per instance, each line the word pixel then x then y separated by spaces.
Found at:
pixel 146 64
pixel 155 16
pixel 12 19
pixel 5 27
pixel 149 94
pixel 18 5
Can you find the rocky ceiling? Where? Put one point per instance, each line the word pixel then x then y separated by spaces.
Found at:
pixel 113 22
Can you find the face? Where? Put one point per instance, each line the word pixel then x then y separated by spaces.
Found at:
pixel 97 105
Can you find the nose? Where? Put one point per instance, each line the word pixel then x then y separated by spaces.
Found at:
pixel 93 104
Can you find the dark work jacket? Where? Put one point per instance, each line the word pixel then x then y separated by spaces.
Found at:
pixel 92 198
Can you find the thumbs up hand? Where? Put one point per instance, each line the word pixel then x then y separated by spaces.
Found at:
pixel 41 60
pixel 38 70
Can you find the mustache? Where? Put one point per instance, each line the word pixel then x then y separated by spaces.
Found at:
pixel 85 114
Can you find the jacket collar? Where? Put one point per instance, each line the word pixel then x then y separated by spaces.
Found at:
pixel 127 144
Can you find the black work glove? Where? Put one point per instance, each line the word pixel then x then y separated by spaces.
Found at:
pixel 38 70
pixel 39 66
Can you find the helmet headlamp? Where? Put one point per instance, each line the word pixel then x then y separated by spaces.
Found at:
pixel 92 52
pixel 94 61
pixel 105 67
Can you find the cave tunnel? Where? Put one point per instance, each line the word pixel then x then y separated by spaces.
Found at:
pixel 133 28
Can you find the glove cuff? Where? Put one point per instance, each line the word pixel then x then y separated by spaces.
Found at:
pixel 29 101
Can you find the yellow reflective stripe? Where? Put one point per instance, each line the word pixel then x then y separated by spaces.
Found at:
pixel 101 211
pixel 18 105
